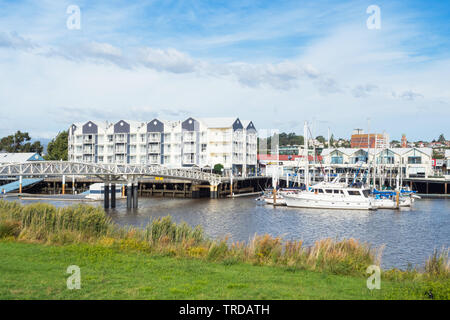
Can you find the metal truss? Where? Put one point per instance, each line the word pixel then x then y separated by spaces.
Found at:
pixel 127 172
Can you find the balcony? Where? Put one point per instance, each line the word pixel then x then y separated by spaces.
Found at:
pixel 153 160
pixel 189 149
pixel 189 138
pixel 120 150
pixel 188 160
pixel 154 150
pixel 121 139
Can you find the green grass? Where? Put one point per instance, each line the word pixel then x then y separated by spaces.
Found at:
pixel 38 271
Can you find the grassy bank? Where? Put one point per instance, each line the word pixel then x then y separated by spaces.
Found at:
pixel 165 260
pixel 36 271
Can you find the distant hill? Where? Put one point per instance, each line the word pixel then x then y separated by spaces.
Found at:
pixel 44 142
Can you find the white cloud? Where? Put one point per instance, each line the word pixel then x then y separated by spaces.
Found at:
pixel 170 60
pixel 14 41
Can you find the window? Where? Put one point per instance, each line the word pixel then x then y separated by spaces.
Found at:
pixel 337 191
pixel 414 160
pixel 321 191
pixel 336 160
pixel 328 191
pixel 354 193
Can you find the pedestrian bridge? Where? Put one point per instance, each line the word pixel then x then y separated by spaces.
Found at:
pixel 106 172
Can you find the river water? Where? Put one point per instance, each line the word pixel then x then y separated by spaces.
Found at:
pixel 410 235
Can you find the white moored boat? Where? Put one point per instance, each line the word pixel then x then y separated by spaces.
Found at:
pixel 97 191
pixel 332 195
pixel 388 203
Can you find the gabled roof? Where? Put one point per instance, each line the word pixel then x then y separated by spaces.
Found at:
pixel 399 151
pixel 285 157
pixel 246 123
pixel 19 157
pixel 346 151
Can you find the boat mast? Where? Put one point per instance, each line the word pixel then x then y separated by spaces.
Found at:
pixel 305 142
pixel 329 171
pixel 368 151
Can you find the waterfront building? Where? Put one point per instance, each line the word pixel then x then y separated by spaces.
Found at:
pixel 359 139
pixel 194 142
pixel 415 162
pixel 290 150
pixel 447 162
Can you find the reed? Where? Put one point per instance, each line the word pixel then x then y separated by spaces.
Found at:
pixel 438 264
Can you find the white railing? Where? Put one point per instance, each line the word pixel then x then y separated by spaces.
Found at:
pixel 106 171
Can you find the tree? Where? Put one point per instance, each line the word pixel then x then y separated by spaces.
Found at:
pixel 441 138
pixel 437 155
pixel 218 168
pixel 331 141
pixel 285 139
pixel 57 148
pixel 321 139
pixel 16 143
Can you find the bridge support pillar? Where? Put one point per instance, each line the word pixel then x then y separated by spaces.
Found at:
pixel 213 192
pixel 20 184
pixel 195 191
pixel 63 184
pixel 135 195
pixel 106 196
pixel 129 196
pixel 113 195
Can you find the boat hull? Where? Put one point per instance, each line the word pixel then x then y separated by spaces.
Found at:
pixel 305 201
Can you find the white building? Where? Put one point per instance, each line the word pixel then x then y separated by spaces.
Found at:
pixel 19 157
pixel 189 143
pixel 416 162
pixel 447 162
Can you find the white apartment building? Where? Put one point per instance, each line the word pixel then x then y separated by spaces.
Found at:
pixel 190 143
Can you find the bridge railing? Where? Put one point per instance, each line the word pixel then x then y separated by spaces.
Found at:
pixel 126 171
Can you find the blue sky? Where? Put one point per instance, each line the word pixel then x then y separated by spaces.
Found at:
pixel 277 63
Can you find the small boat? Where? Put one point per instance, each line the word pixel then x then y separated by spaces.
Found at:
pixel 387 199
pixel 267 197
pixel 97 191
pixel 391 203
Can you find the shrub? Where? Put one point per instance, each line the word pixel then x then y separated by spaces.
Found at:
pixel 438 264
pixel 10 229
